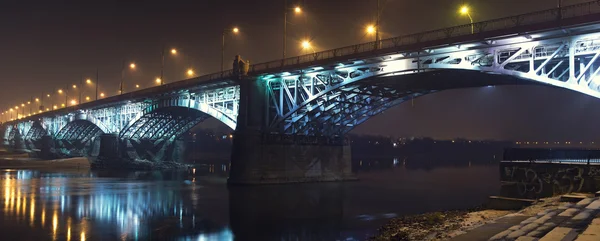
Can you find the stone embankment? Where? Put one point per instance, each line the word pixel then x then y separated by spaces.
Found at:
pixel 569 222
pixel 549 219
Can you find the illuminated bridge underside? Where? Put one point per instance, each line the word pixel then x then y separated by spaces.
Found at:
pixel 332 100
pixel 164 123
pixel 153 136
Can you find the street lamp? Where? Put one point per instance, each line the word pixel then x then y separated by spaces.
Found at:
pixel 306 45
pixel 102 95
pixel 162 61
pixel 159 81
pixel 370 29
pixel 190 72
pixel 234 30
pixel 132 66
pixel 297 10
pixel 464 10
pixel 137 86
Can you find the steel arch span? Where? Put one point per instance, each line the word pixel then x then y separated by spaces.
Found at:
pixel 164 123
pixel 154 136
pixel 332 100
pixel 76 137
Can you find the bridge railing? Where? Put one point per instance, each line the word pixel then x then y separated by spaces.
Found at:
pixel 544 16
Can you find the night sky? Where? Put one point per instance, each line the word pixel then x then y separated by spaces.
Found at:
pixel 47 45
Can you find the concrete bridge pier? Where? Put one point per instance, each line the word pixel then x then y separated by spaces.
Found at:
pixel 262 157
pixel 109 148
pixel 47 148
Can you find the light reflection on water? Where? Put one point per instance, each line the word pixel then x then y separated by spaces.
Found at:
pixel 32 197
pixel 78 205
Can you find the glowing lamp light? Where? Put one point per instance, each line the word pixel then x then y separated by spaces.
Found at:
pixel 87 98
pixel 306 44
pixel 132 66
pixel 190 72
pixel 173 51
pixel 370 29
pixel 137 86
pixel 101 94
pixel 74 86
pixel 73 102
pixel 55 107
pixel 298 10
pixel 464 10
pixel 88 81
pixel 37 100
pixel 62 105
pixel 235 30
pixel 158 80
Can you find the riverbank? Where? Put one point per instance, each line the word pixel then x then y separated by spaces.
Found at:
pixel 20 161
pixel 441 226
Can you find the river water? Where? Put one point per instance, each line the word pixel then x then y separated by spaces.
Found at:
pixel 198 205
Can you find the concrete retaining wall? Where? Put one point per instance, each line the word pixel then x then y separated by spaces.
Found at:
pixel 534 180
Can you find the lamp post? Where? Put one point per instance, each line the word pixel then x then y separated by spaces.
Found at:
pixel 234 30
pixel 162 62
pixel 297 10
pixel 377 24
pixel 97 82
pixel 464 10
pixel 131 66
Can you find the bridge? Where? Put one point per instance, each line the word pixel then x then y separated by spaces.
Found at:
pixel 290 116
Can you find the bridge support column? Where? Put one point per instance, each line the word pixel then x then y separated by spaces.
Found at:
pixel 259 157
pixel 272 159
pixel 47 149
pixel 109 148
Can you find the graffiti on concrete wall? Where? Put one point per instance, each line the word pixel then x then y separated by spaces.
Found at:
pixel 539 180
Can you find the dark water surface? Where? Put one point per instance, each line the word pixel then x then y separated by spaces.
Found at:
pixel 198 205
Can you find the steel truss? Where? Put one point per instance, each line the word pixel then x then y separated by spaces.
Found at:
pixel 36 131
pixel 332 100
pixel 79 130
pixel 164 123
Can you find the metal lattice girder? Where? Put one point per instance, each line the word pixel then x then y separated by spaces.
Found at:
pixel 331 100
pixel 36 131
pixel 80 130
pixel 167 122
pixel 221 103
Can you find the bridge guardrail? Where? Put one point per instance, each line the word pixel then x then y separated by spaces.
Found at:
pixel 544 16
